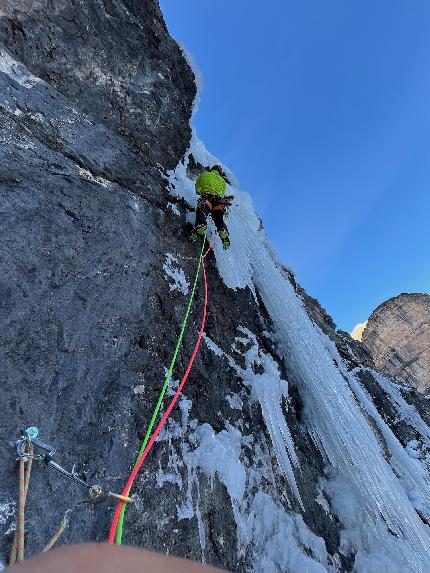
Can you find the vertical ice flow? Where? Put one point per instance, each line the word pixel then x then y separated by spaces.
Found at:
pixel 333 415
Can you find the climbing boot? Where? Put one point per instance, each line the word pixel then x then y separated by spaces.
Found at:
pixel 223 234
pixel 198 231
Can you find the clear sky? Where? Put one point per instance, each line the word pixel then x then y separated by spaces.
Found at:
pixel 321 108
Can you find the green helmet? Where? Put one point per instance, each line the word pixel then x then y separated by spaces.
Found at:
pixel 211 182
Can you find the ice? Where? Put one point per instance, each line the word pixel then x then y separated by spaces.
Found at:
pixel 172 270
pixel 7 521
pixel 279 540
pixel 163 478
pixel 378 498
pixel 185 512
pixel 331 412
pixel 174 208
pixel 234 401
pixel 200 526
pixel 95 179
pixel 219 454
pixel 414 477
pixel 212 346
pixel 320 499
pixel 271 392
pixel 406 411
pixel 197 75
pixel 277 534
pixel 182 186
pixel 7 509
pixel 374 551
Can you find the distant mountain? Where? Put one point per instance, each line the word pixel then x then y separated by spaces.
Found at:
pixel 398 335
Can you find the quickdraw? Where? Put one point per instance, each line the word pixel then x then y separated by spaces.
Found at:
pixel 30 447
pixel 30 436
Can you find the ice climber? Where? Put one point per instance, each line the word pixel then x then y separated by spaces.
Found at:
pixel 211 187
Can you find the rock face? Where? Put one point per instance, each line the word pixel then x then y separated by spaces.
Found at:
pixel 115 60
pixel 398 335
pixel 260 466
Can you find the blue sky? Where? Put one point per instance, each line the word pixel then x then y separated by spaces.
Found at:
pixel 322 111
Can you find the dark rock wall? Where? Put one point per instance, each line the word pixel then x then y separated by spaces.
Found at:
pixel 83 214
pixel 115 60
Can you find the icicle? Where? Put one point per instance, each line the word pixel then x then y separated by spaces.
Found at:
pixel 332 413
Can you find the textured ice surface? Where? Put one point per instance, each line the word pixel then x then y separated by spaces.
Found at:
pixel 413 475
pixel 234 401
pixel 406 411
pixel 7 518
pixel 332 414
pixel 7 509
pixel 173 270
pixel 280 540
pixel 174 208
pixel 220 454
pixel 270 391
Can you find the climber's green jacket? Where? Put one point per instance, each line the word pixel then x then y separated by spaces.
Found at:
pixel 211 182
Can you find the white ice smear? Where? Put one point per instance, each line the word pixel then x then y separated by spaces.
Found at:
pixel 280 540
pixel 7 509
pixel 17 71
pixel 172 269
pixel 174 208
pixel 271 392
pixel 234 401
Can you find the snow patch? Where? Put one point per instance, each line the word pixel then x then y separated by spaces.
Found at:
pixel 17 71
pixel 174 208
pixel 7 509
pixel 271 392
pixel 172 270
pixel 234 401
pixel 94 179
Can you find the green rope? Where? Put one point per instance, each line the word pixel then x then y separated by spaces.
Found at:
pixel 119 530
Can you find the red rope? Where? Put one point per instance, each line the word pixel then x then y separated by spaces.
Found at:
pixel 166 414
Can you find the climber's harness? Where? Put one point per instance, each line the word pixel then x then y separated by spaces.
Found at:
pixel 215 203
